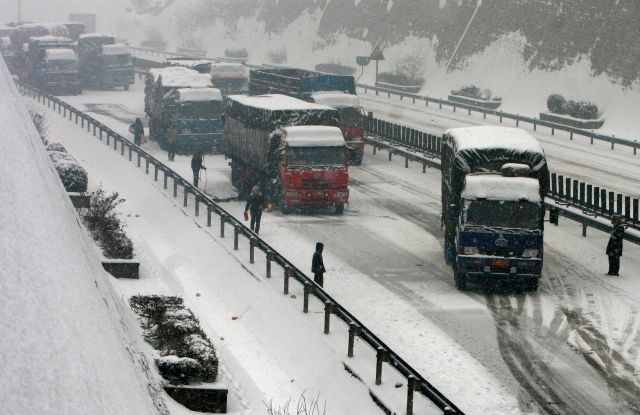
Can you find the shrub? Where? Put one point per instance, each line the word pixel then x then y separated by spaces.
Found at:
pixel 278 55
pixel 105 227
pixel 399 79
pixel 175 332
pixel 179 370
pixel 557 104
pixel 72 175
pixel 472 91
pixel 56 147
pixel 236 53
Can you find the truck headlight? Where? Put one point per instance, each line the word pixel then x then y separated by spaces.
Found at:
pixel 470 250
pixel 530 253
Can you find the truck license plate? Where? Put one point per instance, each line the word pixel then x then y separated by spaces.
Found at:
pixel 317 195
pixel 500 262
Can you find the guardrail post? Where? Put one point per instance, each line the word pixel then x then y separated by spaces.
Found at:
pixel 406 162
pixel 619 204
pixel 122 147
pixel 535 126
pixel 164 184
pixel 500 116
pixel 328 310
pixel 155 173
pixel 412 386
pixel 186 196
pixel 611 205
pixel 222 226
pixel 146 167
pixel 81 121
pixel 76 114
pixel 94 130
pixel 424 167
pixel 611 144
pixel 235 238
pixel 197 207
pixel 269 259
pixel 553 131
pixel 100 135
pixel 570 135
pixel 131 155
pixel 381 356
pixel 354 330
pixel 252 247
pixel 64 112
pixel 375 148
pixel 584 230
pixel 308 289
pixel 390 154
pixel 454 108
pixel 208 215
pixel 287 274
pixel 115 143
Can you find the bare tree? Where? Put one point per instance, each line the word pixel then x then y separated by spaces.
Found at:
pixel 411 66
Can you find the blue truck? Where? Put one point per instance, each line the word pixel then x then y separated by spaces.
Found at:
pixel 103 63
pixel 494 181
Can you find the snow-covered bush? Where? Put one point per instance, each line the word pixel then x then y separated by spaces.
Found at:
pixel 399 79
pixel 72 175
pixel 40 122
pixel 173 330
pixel 278 55
pixel 179 370
pixel 56 147
pixel 557 104
pixel 105 226
pixel 472 91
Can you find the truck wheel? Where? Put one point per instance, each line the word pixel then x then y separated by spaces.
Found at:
pixel 532 284
pixel 460 279
pixel 285 209
pixel 339 208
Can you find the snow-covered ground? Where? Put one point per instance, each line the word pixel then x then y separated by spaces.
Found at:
pixel 67 341
pixel 385 265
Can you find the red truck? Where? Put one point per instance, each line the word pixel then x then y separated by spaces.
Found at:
pixel 292 148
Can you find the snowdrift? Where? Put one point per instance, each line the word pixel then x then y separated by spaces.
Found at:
pixel 64 343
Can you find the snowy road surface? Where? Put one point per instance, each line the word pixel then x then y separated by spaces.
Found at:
pixel 573 347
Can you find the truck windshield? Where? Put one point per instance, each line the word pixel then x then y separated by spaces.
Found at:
pixel 116 60
pixel 350 117
pixel 504 214
pixel 62 65
pixel 316 156
pixel 201 109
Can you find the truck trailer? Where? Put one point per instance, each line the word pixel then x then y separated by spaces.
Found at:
pixel 52 65
pixel 337 91
pixel 20 36
pixel 494 181
pixel 293 149
pixel 185 97
pixel 103 63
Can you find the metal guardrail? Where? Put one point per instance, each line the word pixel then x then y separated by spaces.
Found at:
pixel 535 122
pixel 415 381
pixel 575 199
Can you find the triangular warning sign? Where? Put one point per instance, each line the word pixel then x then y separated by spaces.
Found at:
pixel 377 55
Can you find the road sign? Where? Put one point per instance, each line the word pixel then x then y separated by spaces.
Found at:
pixel 376 54
pixel 362 60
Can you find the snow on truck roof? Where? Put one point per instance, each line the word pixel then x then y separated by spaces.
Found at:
pixel 118 49
pixel 499 187
pixel 313 136
pixel 61 55
pixel 277 102
pixel 486 137
pixel 181 77
pixel 336 99
pixel 227 68
pixel 50 39
pixel 199 94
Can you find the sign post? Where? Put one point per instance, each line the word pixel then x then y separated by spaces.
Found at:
pixel 376 55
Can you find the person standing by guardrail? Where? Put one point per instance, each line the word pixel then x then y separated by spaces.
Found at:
pixel 614 247
pixel 197 164
pixel 254 205
pixel 171 138
pixel 317 265
pixel 137 129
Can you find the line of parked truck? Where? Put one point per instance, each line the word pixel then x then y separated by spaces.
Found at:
pixel 295 132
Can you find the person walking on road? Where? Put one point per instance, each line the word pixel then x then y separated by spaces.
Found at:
pixel 171 138
pixel 197 164
pixel 614 247
pixel 254 205
pixel 137 129
pixel 317 265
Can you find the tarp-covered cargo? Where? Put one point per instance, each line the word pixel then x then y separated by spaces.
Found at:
pixel 299 83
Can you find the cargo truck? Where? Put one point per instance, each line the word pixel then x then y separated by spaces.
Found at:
pixel 52 65
pixel 494 180
pixel 185 97
pixel 103 63
pixel 20 36
pixel 293 149
pixel 310 86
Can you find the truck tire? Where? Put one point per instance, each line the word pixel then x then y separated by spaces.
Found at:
pixel 339 208
pixel 460 279
pixel 532 284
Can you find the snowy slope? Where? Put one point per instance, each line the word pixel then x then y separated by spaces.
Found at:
pixel 64 346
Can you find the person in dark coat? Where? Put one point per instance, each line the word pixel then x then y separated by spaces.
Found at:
pixel 137 129
pixel 197 164
pixel 614 247
pixel 171 138
pixel 255 201
pixel 317 265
